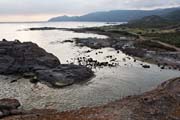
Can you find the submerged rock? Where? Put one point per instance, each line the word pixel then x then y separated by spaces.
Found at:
pixel 64 75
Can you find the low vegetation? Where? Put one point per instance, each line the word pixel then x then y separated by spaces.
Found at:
pixel 172 38
pixel 153 46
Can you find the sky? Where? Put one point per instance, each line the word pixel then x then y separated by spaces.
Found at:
pixel 42 10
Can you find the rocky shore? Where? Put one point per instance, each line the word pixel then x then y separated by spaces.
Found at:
pixel 162 103
pixel 164 55
pixel 30 61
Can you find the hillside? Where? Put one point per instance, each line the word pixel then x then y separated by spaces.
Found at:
pixel 115 15
pixel 171 18
pixel 149 21
pixel 174 16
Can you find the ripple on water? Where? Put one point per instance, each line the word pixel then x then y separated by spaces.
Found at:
pixel 109 84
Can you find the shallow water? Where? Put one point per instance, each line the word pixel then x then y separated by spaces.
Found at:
pixel 109 84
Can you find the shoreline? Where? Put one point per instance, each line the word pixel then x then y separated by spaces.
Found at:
pixel 164 55
pixel 160 103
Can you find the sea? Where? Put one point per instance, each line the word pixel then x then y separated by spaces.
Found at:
pixel 108 84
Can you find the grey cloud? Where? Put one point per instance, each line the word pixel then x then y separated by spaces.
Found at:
pixel 78 6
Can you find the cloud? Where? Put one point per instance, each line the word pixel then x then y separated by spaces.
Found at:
pixel 30 7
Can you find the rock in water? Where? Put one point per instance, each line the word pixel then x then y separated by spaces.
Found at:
pixel 17 57
pixel 31 61
pixel 9 104
pixel 146 66
pixel 9 107
pixel 64 75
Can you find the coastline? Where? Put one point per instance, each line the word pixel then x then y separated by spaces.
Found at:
pixel 164 55
pixel 161 103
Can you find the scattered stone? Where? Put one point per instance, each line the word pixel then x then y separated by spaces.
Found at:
pixel 13 81
pixel 67 41
pixel 6 104
pixel 28 75
pixel 34 80
pixel 93 43
pixel 88 51
pixel 163 67
pixel 146 66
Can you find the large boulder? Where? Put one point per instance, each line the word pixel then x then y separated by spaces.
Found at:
pixel 9 107
pixel 33 62
pixel 17 57
pixel 9 104
pixel 64 75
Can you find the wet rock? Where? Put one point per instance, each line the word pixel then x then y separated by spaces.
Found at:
pixel 32 62
pixel 9 107
pixel 67 41
pixel 13 81
pixel 1 114
pixel 28 75
pixel 4 40
pixel 110 56
pixel 135 52
pixel 17 57
pixel 64 75
pixel 88 51
pixel 34 80
pixel 9 104
pixel 43 28
pixel 163 67
pixel 93 43
pixel 146 66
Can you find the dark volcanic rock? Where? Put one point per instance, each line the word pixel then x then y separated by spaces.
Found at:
pixel 9 104
pixel 67 41
pixel 145 66
pixel 16 57
pixel 9 107
pixel 31 61
pixel 135 52
pixel 64 75
pixel 93 43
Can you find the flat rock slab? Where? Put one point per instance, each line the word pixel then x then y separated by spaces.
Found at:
pixel 64 75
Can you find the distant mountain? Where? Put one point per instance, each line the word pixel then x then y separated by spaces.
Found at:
pixel 116 15
pixel 149 21
pixel 173 16
pixel 170 18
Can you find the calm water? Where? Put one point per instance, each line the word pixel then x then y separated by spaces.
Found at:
pixel 108 85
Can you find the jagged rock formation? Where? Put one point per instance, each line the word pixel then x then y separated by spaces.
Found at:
pixel 29 60
pixel 17 57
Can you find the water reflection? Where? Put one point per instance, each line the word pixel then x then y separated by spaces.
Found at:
pixel 110 83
